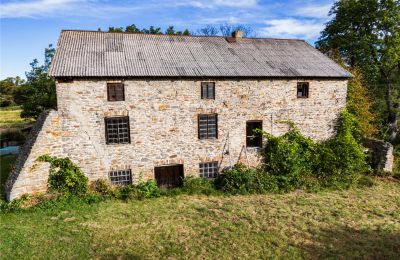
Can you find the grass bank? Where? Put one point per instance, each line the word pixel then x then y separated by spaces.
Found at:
pixel 10 119
pixel 355 223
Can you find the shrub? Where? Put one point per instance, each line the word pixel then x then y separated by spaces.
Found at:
pixel 289 158
pixel 196 185
pixel 148 189
pixel 299 162
pixel 102 187
pixel 124 192
pixel 244 180
pixel 65 176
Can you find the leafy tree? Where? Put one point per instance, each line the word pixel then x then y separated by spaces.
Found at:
pixel 152 30
pixel 8 87
pixel 39 92
pixel 366 34
pixel 360 105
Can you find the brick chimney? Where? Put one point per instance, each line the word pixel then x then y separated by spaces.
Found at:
pixel 237 34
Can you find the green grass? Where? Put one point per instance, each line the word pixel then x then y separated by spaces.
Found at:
pixel 10 118
pixel 357 223
pixel 6 164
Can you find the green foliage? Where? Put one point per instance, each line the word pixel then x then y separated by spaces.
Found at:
pixel 366 34
pixel 298 162
pixel 65 176
pixel 289 158
pixel 8 87
pixel 152 30
pixel 38 94
pixel 244 180
pixel 196 185
pixel 124 192
pixel 14 135
pixel 148 189
pixel 102 187
pixel 360 105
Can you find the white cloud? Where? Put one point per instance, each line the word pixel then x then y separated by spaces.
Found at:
pixel 35 8
pixel 292 28
pixel 218 3
pixel 70 8
pixel 316 11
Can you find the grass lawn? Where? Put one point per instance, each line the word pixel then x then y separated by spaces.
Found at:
pixel 6 164
pixel 10 118
pixel 357 223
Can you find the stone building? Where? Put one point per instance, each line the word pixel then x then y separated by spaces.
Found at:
pixel 133 106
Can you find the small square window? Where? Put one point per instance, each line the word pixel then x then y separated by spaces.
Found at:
pixel 207 90
pixel 115 92
pixel 253 139
pixel 208 126
pixel 302 89
pixel 120 177
pixel 117 130
pixel 208 170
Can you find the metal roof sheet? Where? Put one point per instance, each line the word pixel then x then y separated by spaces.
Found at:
pixel 102 54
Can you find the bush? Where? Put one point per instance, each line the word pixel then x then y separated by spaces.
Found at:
pixel 196 185
pixel 102 187
pixel 65 176
pixel 289 158
pixel 299 162
pixel 244 180
pixel 148 189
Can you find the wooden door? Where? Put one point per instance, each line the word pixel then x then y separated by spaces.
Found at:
pixel 169 176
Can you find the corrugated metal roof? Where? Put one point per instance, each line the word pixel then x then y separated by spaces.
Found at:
pixel 101 54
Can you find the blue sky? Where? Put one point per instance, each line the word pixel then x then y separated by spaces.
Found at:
pixel 27 27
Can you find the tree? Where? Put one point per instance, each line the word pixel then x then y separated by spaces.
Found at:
pixel 225 30
pixel 360 105
pixel 366 34
pixel 39 92
pixel 152 30
pixel 208 30
pixel 8 87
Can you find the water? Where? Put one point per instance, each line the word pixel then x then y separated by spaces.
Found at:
pixel 9 150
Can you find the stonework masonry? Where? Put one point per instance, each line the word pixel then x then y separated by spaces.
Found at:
pixel 163 118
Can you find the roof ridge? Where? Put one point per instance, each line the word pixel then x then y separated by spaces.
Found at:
pixel 175 35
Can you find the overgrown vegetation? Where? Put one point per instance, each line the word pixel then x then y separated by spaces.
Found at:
pixel 65 176
pixel 292 161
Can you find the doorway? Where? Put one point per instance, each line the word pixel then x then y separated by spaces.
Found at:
pixel 169 176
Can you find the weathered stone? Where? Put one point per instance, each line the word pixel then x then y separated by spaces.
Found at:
pixel 381 154
pixel 163 125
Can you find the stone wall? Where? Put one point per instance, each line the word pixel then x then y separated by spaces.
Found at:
pixel 381 153
pixel 29 176
pixel 163 121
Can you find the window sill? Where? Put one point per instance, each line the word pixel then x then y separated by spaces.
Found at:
pixel 254 149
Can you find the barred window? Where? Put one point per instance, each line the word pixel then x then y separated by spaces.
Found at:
pixel 115 92
pixel 208 126
pixel 208 169
pixel 207 90
pixel 117 130
pixel 253 139
pixel 120 177
pixel 302 89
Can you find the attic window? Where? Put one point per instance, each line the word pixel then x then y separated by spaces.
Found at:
pixel 208 170
pixel 115 92
pixel 207 90
pixel 117 130
pixel 120 177
pixel 208 126
pixel 302 89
